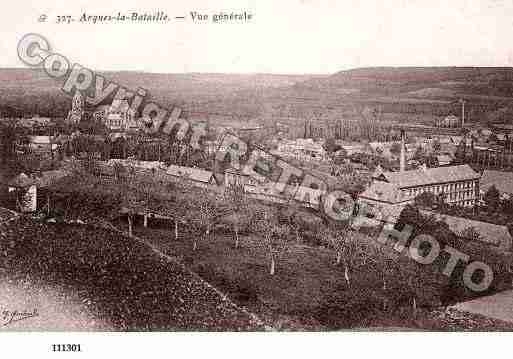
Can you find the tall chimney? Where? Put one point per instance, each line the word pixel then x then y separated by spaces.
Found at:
pixel 402 163
pixel 462 101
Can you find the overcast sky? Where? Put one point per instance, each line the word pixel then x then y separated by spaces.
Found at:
pixel 285 36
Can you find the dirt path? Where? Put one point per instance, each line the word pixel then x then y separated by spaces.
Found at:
pixel 28 307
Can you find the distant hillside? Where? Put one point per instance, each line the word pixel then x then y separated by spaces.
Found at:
pixel 404 91
pixel 431 91
pixel 198 83
pixel 32 90
pixel 452 81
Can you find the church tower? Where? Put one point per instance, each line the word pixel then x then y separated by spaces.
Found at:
pixel 77 108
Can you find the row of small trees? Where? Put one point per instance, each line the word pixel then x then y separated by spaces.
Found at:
pixel 278 229
pixel 201 210
pixel 141 147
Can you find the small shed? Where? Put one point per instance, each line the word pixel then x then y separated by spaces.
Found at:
pixel 198 176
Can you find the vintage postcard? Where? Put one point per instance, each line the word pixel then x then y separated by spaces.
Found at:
pixel 262 168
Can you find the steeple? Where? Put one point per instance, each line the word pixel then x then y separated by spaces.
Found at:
pixel 77 108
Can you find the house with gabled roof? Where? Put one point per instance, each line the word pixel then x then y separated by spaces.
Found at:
pixel 27 201
pixel 197 176
pixel 494 235
pixel 29 187
pixel 444 159
pixel 458 185
pixel 119 116
pixel 384 201
pixel 502 180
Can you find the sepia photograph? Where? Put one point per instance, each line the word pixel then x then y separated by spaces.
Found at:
pixel 251 171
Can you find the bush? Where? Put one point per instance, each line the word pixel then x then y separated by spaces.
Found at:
pixel 77 204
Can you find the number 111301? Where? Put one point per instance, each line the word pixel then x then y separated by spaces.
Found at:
pixel 66 348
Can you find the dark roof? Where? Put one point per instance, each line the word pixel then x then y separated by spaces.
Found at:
pixel 385 192
pixel 489 233
pixel 444 158
pixel 423 177
pixel 44 180
pixel 49 177
pixel 195 174
pixel 503 181
pixel 22 181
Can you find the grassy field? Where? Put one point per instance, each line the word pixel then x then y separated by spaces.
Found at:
pixel 308 291
pixel 105 280
pixel 123 283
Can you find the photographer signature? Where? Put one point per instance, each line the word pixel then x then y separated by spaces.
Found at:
pixel 9 317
